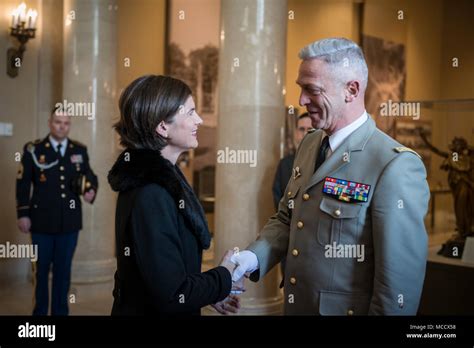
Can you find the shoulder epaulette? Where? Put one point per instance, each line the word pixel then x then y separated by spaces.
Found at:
pixel 400 149
pixel 77 143
pixel 29 146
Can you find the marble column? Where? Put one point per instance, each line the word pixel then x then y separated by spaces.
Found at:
pixel 89 76
pixel 50 60
pixel 251 114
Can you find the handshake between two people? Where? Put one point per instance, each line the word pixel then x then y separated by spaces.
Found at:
pixel 240 265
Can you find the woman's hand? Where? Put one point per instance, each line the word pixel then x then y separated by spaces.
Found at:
pixel 228 262
pixel 231 304
pixel 225 262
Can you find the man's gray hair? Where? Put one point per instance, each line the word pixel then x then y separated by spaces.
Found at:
pixel 343 55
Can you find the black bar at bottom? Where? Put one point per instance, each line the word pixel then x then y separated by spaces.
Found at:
pixel 237 329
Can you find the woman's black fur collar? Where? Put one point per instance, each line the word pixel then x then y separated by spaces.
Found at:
pixel 137 168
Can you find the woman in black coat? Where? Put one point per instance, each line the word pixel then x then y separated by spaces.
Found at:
pixel 160 225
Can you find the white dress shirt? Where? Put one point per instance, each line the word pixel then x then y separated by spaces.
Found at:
pixel 55 143
pixel 337 138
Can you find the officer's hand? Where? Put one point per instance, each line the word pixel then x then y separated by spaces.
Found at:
pixel 246 262
pixel 89 196
pixel 24 224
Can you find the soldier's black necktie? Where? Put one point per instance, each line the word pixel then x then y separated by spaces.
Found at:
pixel 59 150
pixel 322 153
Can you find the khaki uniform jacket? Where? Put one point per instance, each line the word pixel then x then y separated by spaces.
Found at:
pixel 388 228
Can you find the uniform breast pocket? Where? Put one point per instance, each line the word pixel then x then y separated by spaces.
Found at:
pixel 342 303
pixel 338 222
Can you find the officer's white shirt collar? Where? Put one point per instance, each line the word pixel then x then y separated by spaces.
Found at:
pixel 55 143
pixel 337 138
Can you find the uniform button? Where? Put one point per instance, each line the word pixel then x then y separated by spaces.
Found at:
pixel 293 280
pixel 305 197
pixel 63 195
pixel 350 312
pixel 61 168
pixel 61 177
pixel 62 186
pixel 337 212
pixel 88 184
pixel 295 252
pixel 289 193
pixel 300 224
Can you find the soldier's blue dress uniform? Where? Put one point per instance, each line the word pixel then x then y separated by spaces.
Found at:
pixel 55 212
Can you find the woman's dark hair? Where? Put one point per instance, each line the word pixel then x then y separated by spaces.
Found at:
pixel 146 102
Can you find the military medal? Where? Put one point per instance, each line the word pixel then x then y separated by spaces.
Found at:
pixel 77 159
pixel 345 190
pixel 296 172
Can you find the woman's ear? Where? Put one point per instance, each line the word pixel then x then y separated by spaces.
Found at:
pixel 162 129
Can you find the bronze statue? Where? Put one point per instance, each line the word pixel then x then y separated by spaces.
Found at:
pixel 460 167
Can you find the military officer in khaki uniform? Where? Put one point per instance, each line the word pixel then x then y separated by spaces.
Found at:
pixel 351 220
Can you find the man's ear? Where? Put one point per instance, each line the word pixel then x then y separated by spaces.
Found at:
pixel 162 129
pixel 352 90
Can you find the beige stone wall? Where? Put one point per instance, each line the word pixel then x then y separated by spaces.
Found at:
pixel 19 106
pixel 314 20
pixel 141 33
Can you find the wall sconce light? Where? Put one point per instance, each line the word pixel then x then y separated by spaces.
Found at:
pixel 23 27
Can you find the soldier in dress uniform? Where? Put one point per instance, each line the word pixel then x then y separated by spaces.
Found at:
pixel 56 169
pixel 351 222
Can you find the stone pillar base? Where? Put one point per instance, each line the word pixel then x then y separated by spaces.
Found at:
pixel 262 306
pixel 93 271
pixel 253 306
